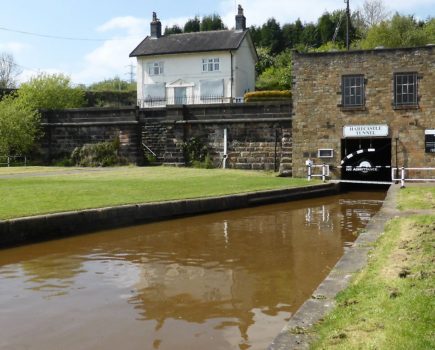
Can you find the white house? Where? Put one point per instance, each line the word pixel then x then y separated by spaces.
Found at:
pixel 194 68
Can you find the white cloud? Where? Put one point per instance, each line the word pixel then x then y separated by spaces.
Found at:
pixel 15 48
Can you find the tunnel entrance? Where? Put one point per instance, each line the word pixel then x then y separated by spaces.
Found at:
pixel 366 159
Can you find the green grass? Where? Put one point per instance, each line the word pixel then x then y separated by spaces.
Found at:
pixel 32 191
pixel 417 198
pixel 391 303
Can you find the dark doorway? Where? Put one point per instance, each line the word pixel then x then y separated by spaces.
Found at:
pixel 366 159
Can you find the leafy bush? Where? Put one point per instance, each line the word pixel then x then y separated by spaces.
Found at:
pixel 271 95
pixel 19 127
pixel 99 154
pixel 196 154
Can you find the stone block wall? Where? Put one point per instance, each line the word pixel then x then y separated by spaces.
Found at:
pixel 255 134
pixel 318 119
pixel 259 135
pixel 65 130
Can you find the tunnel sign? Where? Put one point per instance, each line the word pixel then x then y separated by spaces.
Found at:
pixel 429 140
pixel 365 130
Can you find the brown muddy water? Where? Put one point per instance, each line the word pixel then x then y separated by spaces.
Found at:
pixel 221 281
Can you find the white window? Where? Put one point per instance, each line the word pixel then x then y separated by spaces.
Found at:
pixel 211 89
pixel 325 153
pixel 155 68
pixel 210 64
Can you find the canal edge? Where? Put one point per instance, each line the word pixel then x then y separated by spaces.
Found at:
pixel 38 228
pixel 296 333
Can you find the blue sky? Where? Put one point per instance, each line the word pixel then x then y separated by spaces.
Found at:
pixel 114 28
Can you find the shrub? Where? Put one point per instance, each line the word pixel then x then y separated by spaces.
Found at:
pixel 196 154
pixel 99 154
pixel 271 95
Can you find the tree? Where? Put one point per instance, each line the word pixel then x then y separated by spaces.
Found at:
pixel 19 126
pixel 292 33
pixel 213 22
pixel 265 60
pixel 374 12
pixel 278 76
pixel 400 31
pixel 310 36
pixel 47 91
pixel 114 84
pixel 8 71
pixel 175 29
pixel 192 25
pixel 271 36
pixel 326 27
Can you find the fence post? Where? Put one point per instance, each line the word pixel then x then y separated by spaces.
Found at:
pixel 8 162
pixel 324 172
pixel 402 177
pixel 309 163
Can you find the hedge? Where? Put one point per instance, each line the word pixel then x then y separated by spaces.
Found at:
pixel 270 95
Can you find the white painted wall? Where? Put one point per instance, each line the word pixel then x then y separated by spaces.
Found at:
pixel 185 70
pixel 244 69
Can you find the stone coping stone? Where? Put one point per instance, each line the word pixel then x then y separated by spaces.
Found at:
pixel 296 333
pixel 51 226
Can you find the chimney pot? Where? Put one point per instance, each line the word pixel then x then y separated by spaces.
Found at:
pixel 156 27
pixel 240 19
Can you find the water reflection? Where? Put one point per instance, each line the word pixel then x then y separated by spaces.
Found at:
pixel 221 281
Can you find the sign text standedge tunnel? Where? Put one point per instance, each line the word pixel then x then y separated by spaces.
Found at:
pixel 365 130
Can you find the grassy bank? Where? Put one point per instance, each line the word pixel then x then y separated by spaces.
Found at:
pixel 390 304
pixel 32 191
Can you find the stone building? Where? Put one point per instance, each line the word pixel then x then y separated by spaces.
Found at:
pixel 364 112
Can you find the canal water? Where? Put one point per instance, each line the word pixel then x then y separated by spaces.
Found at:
pixel 228 280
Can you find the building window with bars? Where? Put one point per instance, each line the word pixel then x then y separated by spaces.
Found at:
pixel 352 91
pixel 405 89
pixel 210 64
pixel 155 68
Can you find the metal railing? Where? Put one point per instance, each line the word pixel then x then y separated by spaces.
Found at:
pixel 404 175
pixel 324 173
pixel 185 100
pixel 13 160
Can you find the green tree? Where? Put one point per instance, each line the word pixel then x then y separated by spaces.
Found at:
pixel 271 36
pixel 175 29
pixel 326 27
pixel 50 91
pixel 265 60
pixel 213 22
pixel 292 33
pixel 429 31
pixel 114 84
pixel 192 25
pixel 310 36
pixel 400 31
pixel 278 76
pixel 19 126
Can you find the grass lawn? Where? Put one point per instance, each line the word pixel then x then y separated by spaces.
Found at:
pixel 391 303
pixel 38 190
pixel 417 198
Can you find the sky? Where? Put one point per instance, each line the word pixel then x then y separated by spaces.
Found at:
pixel 90 40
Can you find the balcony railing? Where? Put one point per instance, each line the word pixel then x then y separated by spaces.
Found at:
pixel 187 100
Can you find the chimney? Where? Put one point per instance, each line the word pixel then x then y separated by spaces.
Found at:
pixel 240 20
pixel 156 27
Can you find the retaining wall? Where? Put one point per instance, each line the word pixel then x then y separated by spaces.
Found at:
pixel 259 134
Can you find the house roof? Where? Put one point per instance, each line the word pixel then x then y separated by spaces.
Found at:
pixel 220 40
